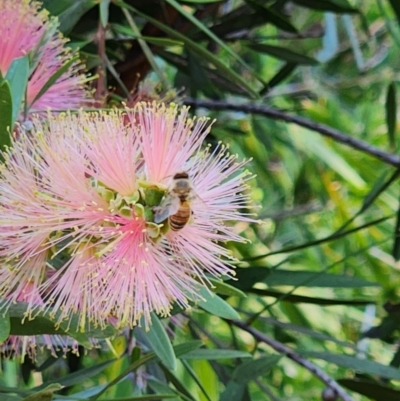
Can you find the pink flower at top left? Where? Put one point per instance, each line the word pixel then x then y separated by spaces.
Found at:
pixel 27 30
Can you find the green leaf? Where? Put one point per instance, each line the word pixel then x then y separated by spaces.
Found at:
pixel 44 395
pixel 340 6
pixel 282 74
pixel 270 15
pixel 248 276
pixel 5 326
pixel 217 306
pixel 17 76
pixel 308 332
pixel 332 237
pixel 104 7
pixel 396 8
pixel 380 185
pixel 375 391
pixel 252 369
pixel 308 300
pixel 199 80
pixel 162 42
pixel 358 364
pixel 178 384
pixel 149 397
pixel 396 242
pixel 73 13
pixel 160 343
pixel 203 1
pixel 46 323
pixel 78 376
pixel 10 397
pixel 324 151
pixel 211 354
pixel 199 50
pixel 6 111
pixel 188 346
pixel 57 7
pixel 53 79
pixel 283 54
pixel 221 287
pixel 234 392
pixel 315 279
pixel 209 33
pixel 391 110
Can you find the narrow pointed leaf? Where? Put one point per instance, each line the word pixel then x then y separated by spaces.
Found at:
pixel 149 397
pixel 358 364
pixel 252 369
pixel 396 8
pixel 188 346
pixel 217 306
pixel 308 300
pixel 282 74
pixel 104 6
pixel 5 326
pixel 209 33
pixel 315 279
pixel 396 242
pixel 391 111
pixel 160 343
pixel 44 395
pixel 77 377
pixel 6 108
pixel 221 287
pixel 199 50
pixel 272 16
pixel 70 16
pixel 283 54
pixel 210 354
pixel 234 391
pixel 340 6
pixel 17 77
pixel 376 391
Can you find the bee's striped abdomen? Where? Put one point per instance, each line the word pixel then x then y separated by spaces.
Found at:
pixel 178 220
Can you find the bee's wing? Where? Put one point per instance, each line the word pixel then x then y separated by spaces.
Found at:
pixel 169 206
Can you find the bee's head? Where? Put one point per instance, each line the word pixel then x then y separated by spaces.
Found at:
pixel 181 175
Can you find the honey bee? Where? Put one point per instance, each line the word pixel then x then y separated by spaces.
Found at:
pixel 176 204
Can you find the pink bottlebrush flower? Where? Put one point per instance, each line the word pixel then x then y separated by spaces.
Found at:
pixel 25 29
pixel 20 284
pixel 91 184
pixel 22 26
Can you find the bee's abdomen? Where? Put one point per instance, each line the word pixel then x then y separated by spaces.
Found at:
pixel 178 220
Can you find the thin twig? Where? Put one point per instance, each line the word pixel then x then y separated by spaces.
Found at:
pixel 322 129
pixel 294 356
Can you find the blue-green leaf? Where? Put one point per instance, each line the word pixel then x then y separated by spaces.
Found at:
pixel 17 76
pixel 104 6
pixel 78 376
pixel 71 15
pixel 223 288
pixel 283 54
pixel 217 306
pixel 315 279
pixel 252 369
pixel 5 114
pixel 5 326
pixel 160 343
pixel 211 354
pixel 44 395
pixel 359 364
